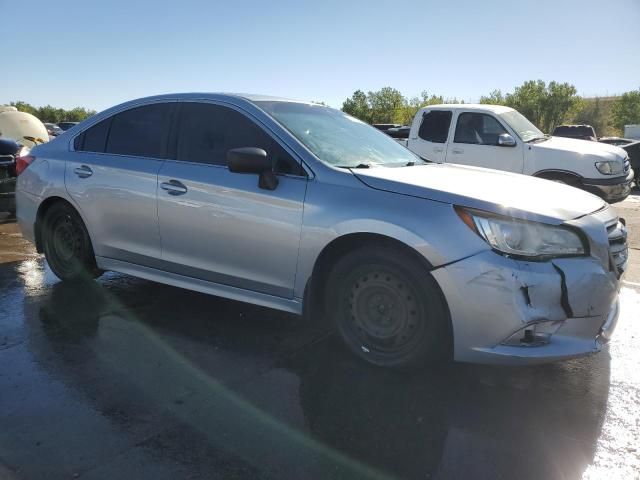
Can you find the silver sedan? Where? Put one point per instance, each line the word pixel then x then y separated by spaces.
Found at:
pixel 302 208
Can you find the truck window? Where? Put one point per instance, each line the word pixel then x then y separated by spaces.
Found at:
pixel 435 126
pixel 478 128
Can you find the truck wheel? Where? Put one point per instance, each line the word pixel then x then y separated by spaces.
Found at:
pixel 388 309
pixel 67 246
pixel 564 179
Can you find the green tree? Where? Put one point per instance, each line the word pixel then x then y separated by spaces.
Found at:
pixel 358 106
pixel 529 99
pixel 77 114
pixel 24 107
pixel 594 112
pixel 51 114
pixel 545 105
pixel 387 105
pixel 559 100
pixel 416 103
pixel 494 98
pixel 626 109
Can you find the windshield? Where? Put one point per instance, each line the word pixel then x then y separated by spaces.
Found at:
pixel 337 138
pixel 526 130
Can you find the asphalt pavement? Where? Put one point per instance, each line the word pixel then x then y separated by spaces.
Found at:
pixel 125 378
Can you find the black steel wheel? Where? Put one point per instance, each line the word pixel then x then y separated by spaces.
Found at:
pixel 388 308
pixel 67 246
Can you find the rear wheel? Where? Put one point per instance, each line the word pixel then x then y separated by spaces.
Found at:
pixel 67 246
pixel 388 309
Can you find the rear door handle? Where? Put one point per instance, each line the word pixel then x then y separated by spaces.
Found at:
pixel 174 187
pixel 457 150
pixel 83 171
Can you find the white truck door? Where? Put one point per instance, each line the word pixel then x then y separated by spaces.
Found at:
pixel 429 134
pixel 475 142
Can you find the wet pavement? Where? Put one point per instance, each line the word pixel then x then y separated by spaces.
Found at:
pixel 125 378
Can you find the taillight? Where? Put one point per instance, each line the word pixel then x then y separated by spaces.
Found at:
pixel 23 162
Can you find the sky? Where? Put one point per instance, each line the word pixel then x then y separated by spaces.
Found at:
pixel 100 53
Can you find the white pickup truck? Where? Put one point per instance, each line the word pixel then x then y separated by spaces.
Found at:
pixel 498 137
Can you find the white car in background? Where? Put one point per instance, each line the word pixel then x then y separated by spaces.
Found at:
pixel 501 138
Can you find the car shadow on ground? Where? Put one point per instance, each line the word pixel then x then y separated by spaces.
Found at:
pixel 216 384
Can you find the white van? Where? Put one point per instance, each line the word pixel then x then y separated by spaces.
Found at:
pixel 498 137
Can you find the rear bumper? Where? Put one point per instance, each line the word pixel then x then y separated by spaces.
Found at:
pixel 611 189
pixel 26 212
pixel 570 305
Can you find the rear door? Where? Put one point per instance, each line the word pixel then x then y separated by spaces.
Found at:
pixel 112 176
pixel 431 131
pixel 220 226
pixel 475 142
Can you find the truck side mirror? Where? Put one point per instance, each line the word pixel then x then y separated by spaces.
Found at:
pixel 506 140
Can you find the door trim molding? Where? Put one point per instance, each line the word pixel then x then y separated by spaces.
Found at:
pixel 199 285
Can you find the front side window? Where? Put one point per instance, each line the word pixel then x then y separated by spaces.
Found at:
pixel 435 126
pixel 140 131
pixel 207 132
pixel 478 128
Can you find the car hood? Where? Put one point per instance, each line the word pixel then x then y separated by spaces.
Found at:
pixel 582 147
pixel 495 191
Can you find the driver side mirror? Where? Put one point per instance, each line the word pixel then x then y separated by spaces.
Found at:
pixel 253 160
pixel 506 140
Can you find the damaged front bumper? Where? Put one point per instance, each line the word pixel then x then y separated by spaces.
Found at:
pixel 517 312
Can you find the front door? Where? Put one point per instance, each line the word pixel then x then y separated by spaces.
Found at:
pixel 475 142
pixel 220 226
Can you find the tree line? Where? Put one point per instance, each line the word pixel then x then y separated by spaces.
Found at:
pixel 546 105
pixel 49 114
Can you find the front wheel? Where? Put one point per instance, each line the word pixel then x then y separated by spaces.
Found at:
pixel 67 246
pixel 388 309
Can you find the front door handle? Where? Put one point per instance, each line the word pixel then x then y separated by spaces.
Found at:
pixel 438 149
pixel 457 150
pixel 83 171
pixel 174 187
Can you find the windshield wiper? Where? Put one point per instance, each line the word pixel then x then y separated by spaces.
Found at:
pixel 538 139
pixel 413 162
pixel 360 165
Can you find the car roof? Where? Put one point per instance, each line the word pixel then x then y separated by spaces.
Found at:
pixel 481 107
pixel 221 95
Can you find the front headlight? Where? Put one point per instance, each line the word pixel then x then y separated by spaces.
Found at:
pixel 521 238
pixel 612 167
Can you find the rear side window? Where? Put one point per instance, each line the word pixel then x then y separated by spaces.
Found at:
pixel 435 126
pixel 206 132
pixel 478 128
pixel 93 139
pixel 140 131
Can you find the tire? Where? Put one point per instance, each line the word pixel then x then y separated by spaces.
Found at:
pixel 564 179
pixel 388 309
pixel 67 246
